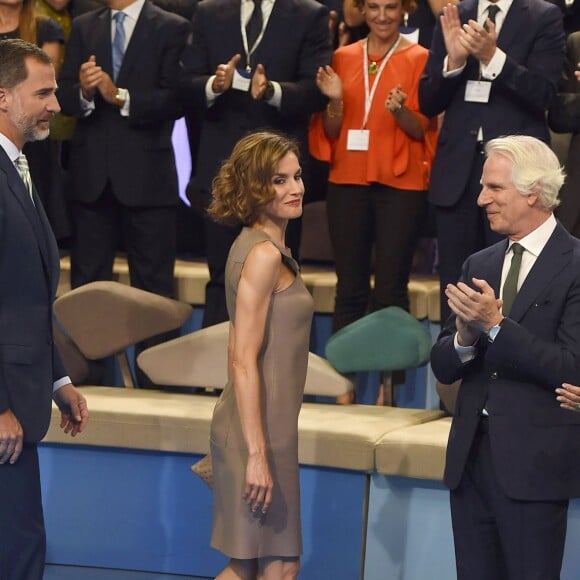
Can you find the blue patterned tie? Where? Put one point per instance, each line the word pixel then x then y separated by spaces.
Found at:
pixel 118 43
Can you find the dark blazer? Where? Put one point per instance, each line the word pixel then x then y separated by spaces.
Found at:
pixel 296 42
pixel 564 117
pixel 135 152
pixel 532 37
pixel 29 270
pixel 535 445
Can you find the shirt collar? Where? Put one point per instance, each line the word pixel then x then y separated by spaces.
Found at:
pixel 503 5
pixel 535 241
pixel 10 149
pixel 132 11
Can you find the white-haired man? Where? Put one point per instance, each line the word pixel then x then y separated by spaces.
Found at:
pixel 513 458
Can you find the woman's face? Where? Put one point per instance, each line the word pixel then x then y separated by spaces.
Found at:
pixel 289 188
pixel 383 18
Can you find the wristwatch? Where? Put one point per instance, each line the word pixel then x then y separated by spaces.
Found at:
pixel 269 92
pixel 121 96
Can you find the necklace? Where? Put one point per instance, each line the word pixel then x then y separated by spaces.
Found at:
pixel 374 64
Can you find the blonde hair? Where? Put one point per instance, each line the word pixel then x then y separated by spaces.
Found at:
pixel 535 167
pixel 243 185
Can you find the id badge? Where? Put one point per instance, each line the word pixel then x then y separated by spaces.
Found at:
pixel 357 140
pixel 241 80
pixel 477 91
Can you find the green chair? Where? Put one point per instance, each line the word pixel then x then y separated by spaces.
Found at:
pixel 386 340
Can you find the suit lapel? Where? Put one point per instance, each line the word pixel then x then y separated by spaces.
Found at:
pixel 137 41
pixel 491 265
pixel 19 191
pixel 102 42
pixel 512 26
pixel 554 258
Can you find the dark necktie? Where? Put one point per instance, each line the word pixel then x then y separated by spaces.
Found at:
pixel 254 26
pixel 492 11
pixel 24 171
pixel 118 43
pixel 510 286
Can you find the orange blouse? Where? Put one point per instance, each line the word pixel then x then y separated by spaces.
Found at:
pixel 393 158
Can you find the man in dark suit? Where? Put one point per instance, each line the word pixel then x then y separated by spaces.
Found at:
pixel 249 65
pixel 119 79
pixel 513 457
pixel 493 72
pixel 31 372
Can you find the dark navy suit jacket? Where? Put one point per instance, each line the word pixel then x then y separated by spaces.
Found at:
pixel 535 445
pixel 29 270
pixel 532 36
pixel 295 44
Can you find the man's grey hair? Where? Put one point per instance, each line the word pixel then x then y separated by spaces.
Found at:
pixel 535 167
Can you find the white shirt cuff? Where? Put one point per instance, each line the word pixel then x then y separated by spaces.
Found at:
pixel 126 108
pixel 210 96
pixel 60 383
pixel 276 100
pixel 465 353
pixel 86 106
pixel 449 74
pixel 495 65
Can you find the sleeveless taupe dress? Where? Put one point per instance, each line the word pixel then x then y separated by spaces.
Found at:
pixel 283 361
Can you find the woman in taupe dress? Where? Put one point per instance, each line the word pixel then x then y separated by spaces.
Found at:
pixel 254 431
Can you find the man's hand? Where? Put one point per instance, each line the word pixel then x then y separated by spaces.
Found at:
pixel 452 34
pixel 74 413
pixel 224 74
pixel 90 75
pixel 478 41
pixel 259 82
pixel 11 436
pixel 107 88
pixel 478 311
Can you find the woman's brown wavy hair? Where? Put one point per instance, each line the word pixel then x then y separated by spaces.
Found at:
pixel 243 186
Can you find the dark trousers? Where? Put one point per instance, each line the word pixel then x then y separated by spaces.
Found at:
pixel 148 235
pixel 219 239
pixel 22 536
pixel 462 230
pixel 500 538
pixel 361 218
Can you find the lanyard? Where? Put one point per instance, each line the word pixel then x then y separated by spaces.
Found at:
pixel 370 95
pixel 250 51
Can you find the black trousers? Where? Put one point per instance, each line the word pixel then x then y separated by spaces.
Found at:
pixel 22 536
pixel 360 219
pixel 148 235
pixel 500 538
pixel 462 230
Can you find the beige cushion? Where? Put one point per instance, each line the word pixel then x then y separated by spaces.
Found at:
pixel 345 435
pixel 200 359
pixel 416 451
pixel 329 435
pixel 434 303
pixel 192 276
pixel 103 318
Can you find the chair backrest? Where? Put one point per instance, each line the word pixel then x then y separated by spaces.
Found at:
pixel 105 318
pixel 386 340
pixel 200 359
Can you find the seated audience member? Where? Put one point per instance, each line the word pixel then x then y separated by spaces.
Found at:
pixel 564 117
pixel 378 178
